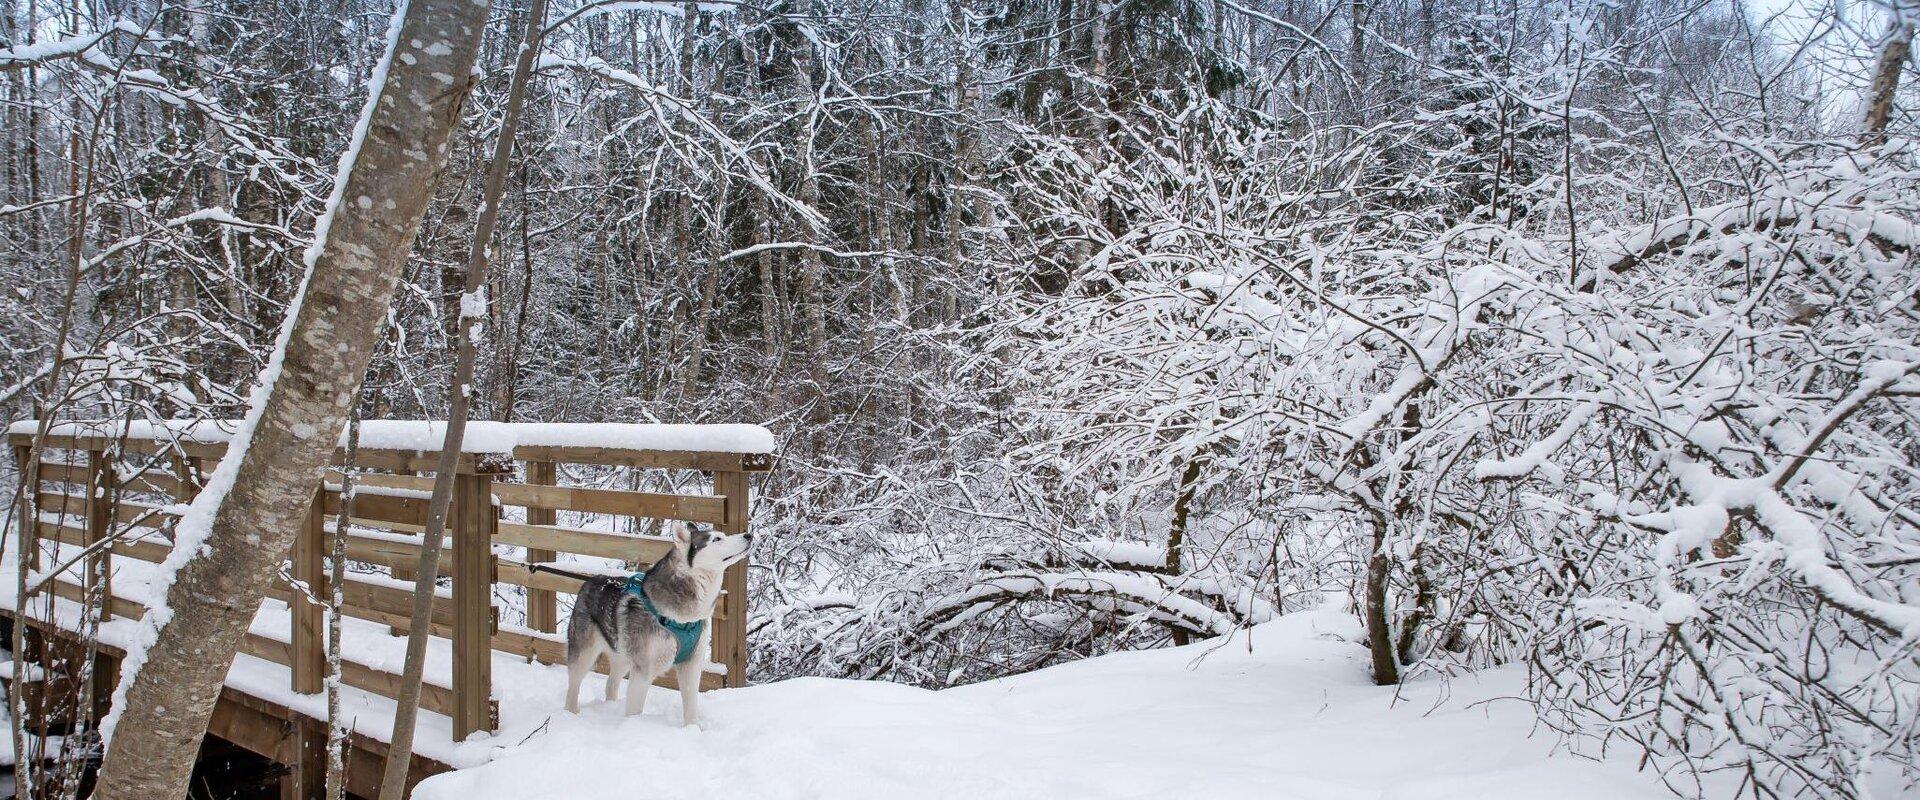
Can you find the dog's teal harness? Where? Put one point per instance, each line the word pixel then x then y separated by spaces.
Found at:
pixel 685 634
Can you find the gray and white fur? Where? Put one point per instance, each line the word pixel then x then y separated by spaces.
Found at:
pixel 609 620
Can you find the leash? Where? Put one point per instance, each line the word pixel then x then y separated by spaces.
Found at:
pixel 540 567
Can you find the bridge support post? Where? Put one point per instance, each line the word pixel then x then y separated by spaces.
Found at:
pixel 730 623
pixel 304 753
pixel 474 522
pixel 29 529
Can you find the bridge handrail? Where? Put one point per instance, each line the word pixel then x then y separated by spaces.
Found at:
pixel 390 509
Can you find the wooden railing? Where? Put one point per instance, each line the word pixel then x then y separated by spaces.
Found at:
pixel 92 487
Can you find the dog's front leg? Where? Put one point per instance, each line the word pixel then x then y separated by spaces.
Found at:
pixel 687 674
pixel 638 682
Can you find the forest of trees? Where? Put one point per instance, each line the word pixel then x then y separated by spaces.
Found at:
pixel 1581 335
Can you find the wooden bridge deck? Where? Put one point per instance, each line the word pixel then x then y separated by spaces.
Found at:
pixel 119 489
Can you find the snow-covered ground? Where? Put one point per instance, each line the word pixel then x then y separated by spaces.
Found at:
pixel 1280 712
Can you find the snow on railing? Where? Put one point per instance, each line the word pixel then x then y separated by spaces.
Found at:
pixel 481 437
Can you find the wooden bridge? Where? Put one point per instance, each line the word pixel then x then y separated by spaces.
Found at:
pixel 107 495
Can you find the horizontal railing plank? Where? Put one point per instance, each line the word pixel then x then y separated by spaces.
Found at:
pixel 707 509
pixel 642 549
pixel 142 549
pixel 368 457
pixel 662 459
pixel 433 697
pixel 117 606
pixel 151 480
pixel 398 460
pixel 375 508
pixel 127 512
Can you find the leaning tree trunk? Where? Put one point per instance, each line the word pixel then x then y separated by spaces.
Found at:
pixel 393 781
pixel 359 248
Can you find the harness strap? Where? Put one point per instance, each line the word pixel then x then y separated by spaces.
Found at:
pixel 685 634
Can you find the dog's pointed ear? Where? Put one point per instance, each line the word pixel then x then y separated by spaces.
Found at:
pixel 682 532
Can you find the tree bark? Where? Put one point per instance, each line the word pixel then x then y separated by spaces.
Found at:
pixel 1177 531
pixel 357 257
pixel 1386 670
pixel 1886 80
pixel 393 783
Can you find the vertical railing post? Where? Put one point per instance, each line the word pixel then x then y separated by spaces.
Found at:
pixel 543 612
pixel 96 575
pixel 418 516
pixel 475 519
pixel 730 623
pixel 29 529
pixel 309 637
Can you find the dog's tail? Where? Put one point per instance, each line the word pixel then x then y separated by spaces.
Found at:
pixel 538 567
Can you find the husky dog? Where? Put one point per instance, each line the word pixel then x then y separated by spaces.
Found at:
pixel 652 622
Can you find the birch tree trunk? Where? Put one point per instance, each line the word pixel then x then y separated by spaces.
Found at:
pixel 362 242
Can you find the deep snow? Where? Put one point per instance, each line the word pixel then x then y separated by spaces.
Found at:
pixel 1280 712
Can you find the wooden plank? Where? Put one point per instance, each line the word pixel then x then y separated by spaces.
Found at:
pixel 26 531
pixel 189 474
pixel 369 509
pixel 397 460
pixel 373 601
pixel 143 549
pixel 665 459
pixel 692 508
pixel 262 726
pixel 123 444
pixel 391 600
pixel 309 567
pixel 730 626
pixel 391 554
pixel 433 697
pixel 246 725
pixel 76 474
pixel 126 512
pixel 473 520
pixel 117 606
pixel 305 755
pixel 368 457
pixel 413 483
pixel 50 629
pixel 640 549
pixel 543 610
pixel 57 472
pixel 409 572
pixel 517 575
